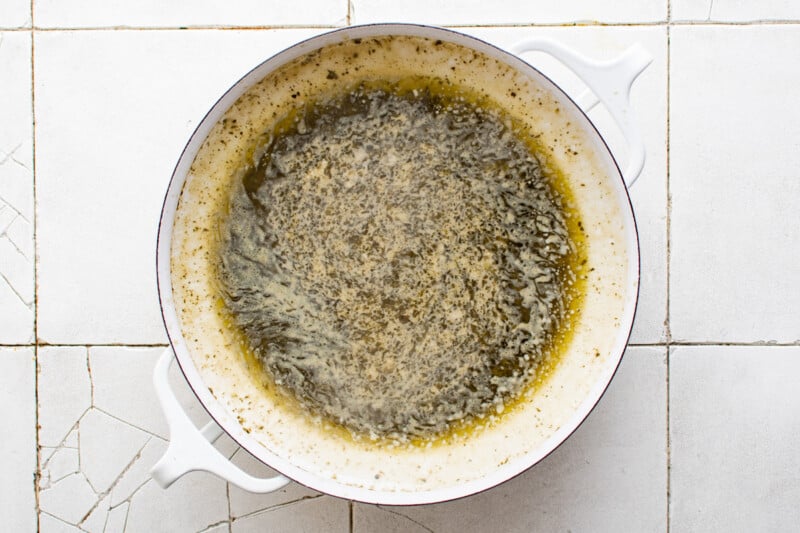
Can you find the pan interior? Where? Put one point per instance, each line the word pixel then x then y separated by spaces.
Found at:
pixel 311 449
pixel 399 262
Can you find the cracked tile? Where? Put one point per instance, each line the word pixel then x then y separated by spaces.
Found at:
pixel 118 375
pixel 16 189
pixel 610 475
pixel 122 379
pixel 116 518
pixel 16 270
pixel 99 215
pixel 323 513
pixel 45 452
pixel 69 500
pixel 244 503
pixel 7 216
pixel 107 447
pixel 60 464
pixel 96 520
pixel 72 437
pixel 94 13
pixel 386 520
pixel 194 502
pixel 70 442
pixel 20 234
pixel 115 455
pixel 18 445
pixel 16 318
pixel 16 136
pixel 50 524
pixel 110 451
pixel 218 528
pixel 16 182
pixel 65 392
pixel 137 500
pixel 138 473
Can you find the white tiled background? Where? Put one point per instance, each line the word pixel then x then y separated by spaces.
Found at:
pixel 699 429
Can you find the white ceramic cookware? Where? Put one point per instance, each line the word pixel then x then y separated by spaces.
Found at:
pixel 306 454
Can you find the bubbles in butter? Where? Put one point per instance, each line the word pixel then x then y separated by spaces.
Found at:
pixel 397 259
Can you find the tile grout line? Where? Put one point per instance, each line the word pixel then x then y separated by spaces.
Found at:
pixel 37 473
pixel 228 498
pixel 594 24
pixel 762 22
pixel 17 345
pixel 103 345
pixel 79 29
pixel 668 324
pixel 729 343
pixel 351 509
pixel 664 344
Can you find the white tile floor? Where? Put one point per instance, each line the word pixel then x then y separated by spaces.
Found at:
pixel 698 431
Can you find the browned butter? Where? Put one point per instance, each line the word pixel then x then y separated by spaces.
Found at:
pixel 397 262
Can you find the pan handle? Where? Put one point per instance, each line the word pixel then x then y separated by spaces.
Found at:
pixel 190 448
pixel 608 82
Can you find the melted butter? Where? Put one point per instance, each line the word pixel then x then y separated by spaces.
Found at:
pixel 433 96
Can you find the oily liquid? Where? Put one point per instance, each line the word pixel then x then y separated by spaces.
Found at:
pixel 278 347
